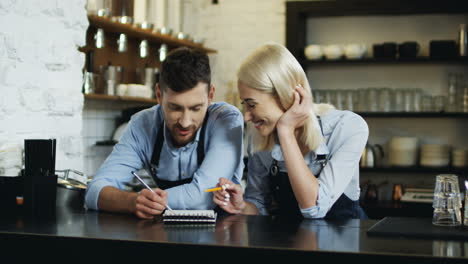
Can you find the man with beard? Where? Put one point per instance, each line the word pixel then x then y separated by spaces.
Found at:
pixel 186 143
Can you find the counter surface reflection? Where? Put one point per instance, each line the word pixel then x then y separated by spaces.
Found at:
pixel 121 235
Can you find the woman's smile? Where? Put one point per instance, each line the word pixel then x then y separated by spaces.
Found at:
pixel 258 123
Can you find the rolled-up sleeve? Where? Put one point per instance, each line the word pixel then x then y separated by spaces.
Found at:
pixel 116 169
pixel 346 144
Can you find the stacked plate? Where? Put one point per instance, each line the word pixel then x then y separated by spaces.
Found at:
pixel 459 157
pixel 435 155
pixel 403 151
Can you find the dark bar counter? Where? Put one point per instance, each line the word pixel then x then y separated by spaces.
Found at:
pixel 91 235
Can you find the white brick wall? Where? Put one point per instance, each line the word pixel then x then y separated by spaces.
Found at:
pixel 40 74
pixel 235 28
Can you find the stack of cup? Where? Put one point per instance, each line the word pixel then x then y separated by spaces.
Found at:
pixel 447 201
pixel 403 151
pixel 459 158
pixel 435 155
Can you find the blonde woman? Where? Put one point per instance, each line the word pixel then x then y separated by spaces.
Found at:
pixel 303 157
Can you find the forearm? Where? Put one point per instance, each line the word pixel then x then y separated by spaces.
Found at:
pixel 304 184
pixel 114 200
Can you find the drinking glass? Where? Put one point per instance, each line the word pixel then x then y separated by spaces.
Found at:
pixel 317 96
pixel 338 99
pixel 385 102
pixel 399 99
pixel 348 99
pixel 426 103
pixel 372 99
pixel 439 103
pixel 447 201
pixel 465 219
pixel 417 94
pixel 361 102
pixel 408 96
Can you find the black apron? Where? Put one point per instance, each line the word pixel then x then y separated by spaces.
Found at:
pixel 165 184
pixel 285 203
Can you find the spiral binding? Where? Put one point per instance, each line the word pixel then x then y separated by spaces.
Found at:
pixel 189 216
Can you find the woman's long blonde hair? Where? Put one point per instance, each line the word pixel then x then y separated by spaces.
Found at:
pixel 272 69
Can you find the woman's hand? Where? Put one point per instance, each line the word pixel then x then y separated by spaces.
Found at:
pixel 230 198
pixel 298 113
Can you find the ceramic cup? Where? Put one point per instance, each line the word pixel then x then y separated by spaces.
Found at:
pixel 313 52
pixel 333 52
pixel 355 50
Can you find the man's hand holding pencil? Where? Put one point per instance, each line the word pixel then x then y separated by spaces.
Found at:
pixel 150 202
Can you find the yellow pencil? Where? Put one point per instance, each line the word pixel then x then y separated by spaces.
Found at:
pixel 213 189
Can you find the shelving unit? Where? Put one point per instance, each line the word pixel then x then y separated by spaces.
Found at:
pixel 297 12
pixel 133 31
pixel 412 114
pixel 129 60
pixel 416 169
pixel 384 61
pixel 115 98
pixel 297 15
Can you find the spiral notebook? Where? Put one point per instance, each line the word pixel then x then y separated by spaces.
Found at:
pixel 189 216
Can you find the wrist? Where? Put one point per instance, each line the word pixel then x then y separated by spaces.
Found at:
pixel 132 202
pixel 285 131
pixel 241 208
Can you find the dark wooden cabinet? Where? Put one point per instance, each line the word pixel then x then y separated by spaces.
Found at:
pixel 298 13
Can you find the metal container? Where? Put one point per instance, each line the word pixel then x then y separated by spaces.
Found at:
pixel 70 192
pixel 144 49
pixel 462 40
pixel 122 43
pixel 145 25
pixel 162 52
pixel 99 38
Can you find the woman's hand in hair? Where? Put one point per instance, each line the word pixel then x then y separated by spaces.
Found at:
pixel 298 113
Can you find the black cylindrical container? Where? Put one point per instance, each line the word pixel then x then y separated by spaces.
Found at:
pixel 40 180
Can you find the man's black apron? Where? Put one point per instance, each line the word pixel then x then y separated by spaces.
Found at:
pixel 165 184
pixel 286 203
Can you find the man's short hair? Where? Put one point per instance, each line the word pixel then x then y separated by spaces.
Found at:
pixel 183 69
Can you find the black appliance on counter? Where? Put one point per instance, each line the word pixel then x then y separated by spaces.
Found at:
pixel 40 180
pixel 10 188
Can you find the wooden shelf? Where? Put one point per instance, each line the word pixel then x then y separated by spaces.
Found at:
pixel 297 13
pixel 129 99
pixel 413 114
pixel 373 8
pixel 383 61
pixel 415 169
pixel 134 32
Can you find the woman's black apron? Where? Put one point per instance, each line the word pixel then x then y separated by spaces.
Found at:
pixel 165 184
pixel 285 203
